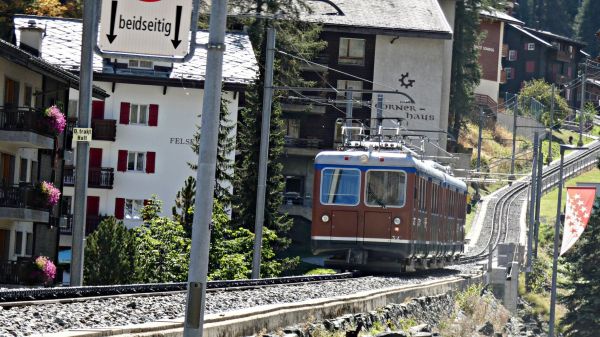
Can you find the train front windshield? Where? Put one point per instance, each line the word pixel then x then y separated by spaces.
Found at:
pixel 340 186
pixel 385 188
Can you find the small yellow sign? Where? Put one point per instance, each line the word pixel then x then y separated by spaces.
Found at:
pixel 82 134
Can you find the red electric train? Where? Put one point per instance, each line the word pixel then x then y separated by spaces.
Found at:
pixel 386 211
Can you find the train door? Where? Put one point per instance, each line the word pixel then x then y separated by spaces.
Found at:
pixel 385 191
pixel 340 191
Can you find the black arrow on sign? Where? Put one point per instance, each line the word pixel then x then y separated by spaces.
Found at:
pixel 177 41
pixel 113 15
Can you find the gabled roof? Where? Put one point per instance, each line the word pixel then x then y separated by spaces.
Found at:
pixel 500 16
pixel 551 35
pixel 390 17
pixel 23 58
pixel 61 46
pixel 531 35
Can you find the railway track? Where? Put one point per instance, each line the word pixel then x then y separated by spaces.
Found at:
pixel 502 217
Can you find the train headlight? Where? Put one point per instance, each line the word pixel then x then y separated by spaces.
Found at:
pixel 325 218
pixel 364 158
pixel 397 221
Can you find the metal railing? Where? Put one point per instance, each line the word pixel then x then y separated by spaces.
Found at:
pixel 22 196
pixel 11 272
pixel 303 142
pixel 24 119
pixel 98 177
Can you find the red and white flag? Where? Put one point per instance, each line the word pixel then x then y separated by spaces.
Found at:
pixel 580 201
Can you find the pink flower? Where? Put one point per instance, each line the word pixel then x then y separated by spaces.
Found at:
pixel 45 268
pixel 56 118
pixel 52 193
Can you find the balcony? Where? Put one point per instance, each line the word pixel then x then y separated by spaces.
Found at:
pixel 91 224
pixel 104 129
pixel 23 203
pixel 24 127
pixel 66 224
pixel 13 272
pixel 305 104
pixel 563 56
pixel 98 177
pixel 321 59
pixel 303 146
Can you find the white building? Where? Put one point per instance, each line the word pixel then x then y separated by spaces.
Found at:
pixel 143 131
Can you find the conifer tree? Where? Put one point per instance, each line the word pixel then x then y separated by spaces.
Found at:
pixel 583 282
pixel 297 38
pixel 184 202
pixel 587 24
pixel 225 148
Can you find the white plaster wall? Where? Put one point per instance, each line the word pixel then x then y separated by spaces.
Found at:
pixel 23 75
pixel 424 61
pixel 449 9
pixel 177 118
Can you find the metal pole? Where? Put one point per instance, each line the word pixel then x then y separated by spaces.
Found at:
pixel 88 41
pixel 379 110
pixel 349 112
pixel 205 176
pixel 538 201
pixel 514 139
pixel 479 141
pixel 532 188
pixel 551 126
pixel 264 153
pixel 583 76
pixel 556 234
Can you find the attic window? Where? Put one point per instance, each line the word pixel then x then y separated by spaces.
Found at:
pixel 141 64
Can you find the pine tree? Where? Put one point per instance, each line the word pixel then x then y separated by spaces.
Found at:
pixel 297 38
pixel 587 24
pixel 225 148
pixel 184 202
pixel 8 8
pixel 583 282
pixel 466 71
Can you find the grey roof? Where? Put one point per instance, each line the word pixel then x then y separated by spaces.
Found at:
pixel 531 35
pixel 554 36
pixel 61 46
pixel 499 15
pixel 37 64
pixel 408 16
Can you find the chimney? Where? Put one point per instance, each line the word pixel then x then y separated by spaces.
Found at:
pixel 31 38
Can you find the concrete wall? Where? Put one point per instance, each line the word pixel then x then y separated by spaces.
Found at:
pixel 178 119
pixel 525 125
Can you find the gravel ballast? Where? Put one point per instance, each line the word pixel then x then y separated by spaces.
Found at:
pixel 119 311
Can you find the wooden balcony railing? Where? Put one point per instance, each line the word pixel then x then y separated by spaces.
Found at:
pixel 104 129
pixel 24 119
pixel 303 142
pixel 98 177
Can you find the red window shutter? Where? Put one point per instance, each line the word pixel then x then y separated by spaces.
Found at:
pixel 97 109
pixel 146 202
pixel 119 208
pixel 150 159
pixel 125 113
pixel 530 66
pixel 153 118
pixel 122 162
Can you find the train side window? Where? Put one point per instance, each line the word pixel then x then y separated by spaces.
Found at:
pixel 340 186
pixel 385 188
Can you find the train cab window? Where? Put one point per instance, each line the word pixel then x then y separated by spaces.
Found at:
pixel 340 186
pixel 385 188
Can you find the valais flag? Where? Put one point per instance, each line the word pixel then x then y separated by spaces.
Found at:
pixel 577 213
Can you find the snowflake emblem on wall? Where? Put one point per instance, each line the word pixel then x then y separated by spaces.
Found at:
pixel 405 81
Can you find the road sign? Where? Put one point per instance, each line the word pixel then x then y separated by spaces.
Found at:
pixel 82 134
pixel 151 28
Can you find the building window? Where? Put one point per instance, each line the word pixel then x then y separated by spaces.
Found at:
pixel 135 161
pixel 530 66
pixel 352 51
pixel 33 174
pixel 292 128
pixel 512 55
pixel 340 186
pixel 509 73
pixel 141 64
pixel 23 170
pixel 28 96
pixel 138 114
pixel 29 244
pixel 347 84
pixel 18 243
pixel 531 46
pixel 133 208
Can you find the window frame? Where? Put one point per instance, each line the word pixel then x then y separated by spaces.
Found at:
pixel 346 59
pixel 342 168
pixel 512 55
pixel 138 108
pixel 135 161
pixel 341 94
pixel 365 197
pixel 509 73
pixel 18 247
pixel 133 215
pixel 530 46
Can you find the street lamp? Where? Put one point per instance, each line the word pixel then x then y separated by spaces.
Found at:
pixel 563 148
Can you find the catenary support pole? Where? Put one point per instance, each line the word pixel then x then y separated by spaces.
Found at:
pixel 514 139
pixel 264 153
pixel 88 41
pixel 556 243
pixel 479 143
pixel 582 106
pixel 205 177
pixel 538 201
pixel 532 200
pixel 349 105
pixel 551 125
